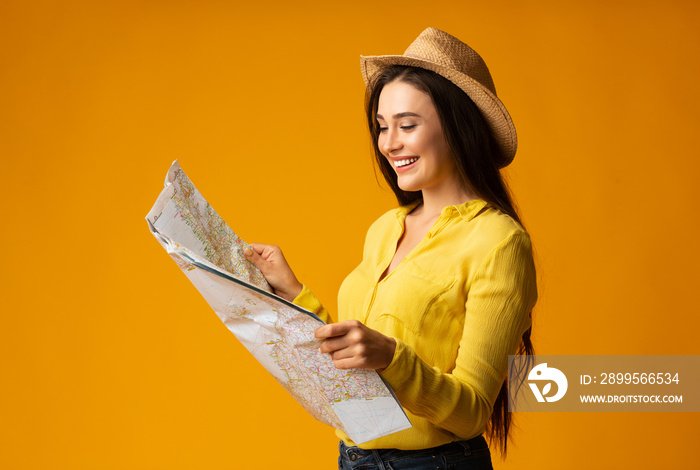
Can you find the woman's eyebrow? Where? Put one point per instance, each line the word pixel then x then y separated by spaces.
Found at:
pixel 400 115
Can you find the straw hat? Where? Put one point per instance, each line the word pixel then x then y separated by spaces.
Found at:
pixel 448 56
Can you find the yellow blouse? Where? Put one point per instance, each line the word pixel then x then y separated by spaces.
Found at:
pixel 457 306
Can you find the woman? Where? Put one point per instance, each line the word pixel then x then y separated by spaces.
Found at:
pixel 444 291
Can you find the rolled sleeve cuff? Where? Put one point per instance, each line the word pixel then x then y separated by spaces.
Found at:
pixel 306 299
pixel 398 372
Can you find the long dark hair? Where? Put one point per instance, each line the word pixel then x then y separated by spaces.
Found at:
pixel 476 155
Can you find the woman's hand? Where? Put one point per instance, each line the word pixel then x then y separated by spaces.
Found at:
pixel 270 261
pixel 353 345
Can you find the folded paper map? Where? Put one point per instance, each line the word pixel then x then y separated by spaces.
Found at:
pixel 278 333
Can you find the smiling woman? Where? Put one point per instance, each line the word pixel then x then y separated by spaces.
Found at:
pixel 447 282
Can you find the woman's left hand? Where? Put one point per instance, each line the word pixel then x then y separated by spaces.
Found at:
pixel 353 345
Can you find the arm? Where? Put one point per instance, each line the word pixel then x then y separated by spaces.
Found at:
pixel 272 263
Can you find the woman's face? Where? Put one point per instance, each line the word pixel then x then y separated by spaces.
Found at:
pixel 411 138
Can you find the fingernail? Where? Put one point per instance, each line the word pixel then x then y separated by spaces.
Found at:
pixel 247 252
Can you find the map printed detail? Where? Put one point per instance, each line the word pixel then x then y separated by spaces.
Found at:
pixel 277 332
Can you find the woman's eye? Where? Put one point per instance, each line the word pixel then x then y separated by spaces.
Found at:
pixel 383 129
pixel 408 128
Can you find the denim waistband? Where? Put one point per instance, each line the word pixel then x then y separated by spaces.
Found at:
pixel 457 447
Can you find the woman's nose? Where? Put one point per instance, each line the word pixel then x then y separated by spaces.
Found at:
pixel 391 141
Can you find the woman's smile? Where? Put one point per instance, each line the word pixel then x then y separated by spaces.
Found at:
pixel 403 164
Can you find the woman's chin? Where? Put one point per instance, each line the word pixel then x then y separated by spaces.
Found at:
pixel 408 186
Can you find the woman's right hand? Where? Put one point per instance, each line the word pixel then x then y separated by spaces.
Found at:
pixel 271 262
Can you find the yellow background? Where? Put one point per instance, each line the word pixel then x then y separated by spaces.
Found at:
pixel 109 357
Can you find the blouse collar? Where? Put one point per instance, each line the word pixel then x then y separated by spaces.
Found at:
pixel 467 210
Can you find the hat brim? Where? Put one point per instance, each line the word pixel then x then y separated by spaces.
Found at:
pixel 491 107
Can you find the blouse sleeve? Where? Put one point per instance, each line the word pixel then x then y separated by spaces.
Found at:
pixel 306 299
pixel 500 297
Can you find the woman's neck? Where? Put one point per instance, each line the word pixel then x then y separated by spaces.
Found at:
pixel 435 199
